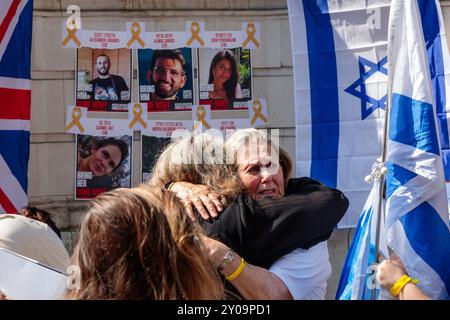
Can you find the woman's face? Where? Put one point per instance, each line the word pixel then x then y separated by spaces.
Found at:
pixel 222 70
pixel 261 174
pixel 104 160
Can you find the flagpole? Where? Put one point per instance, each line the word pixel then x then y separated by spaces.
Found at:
pixel 381 190
pixel 383 162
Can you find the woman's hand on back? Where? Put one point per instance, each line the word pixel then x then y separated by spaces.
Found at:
pixel 199 196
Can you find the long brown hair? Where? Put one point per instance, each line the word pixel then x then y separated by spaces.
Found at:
pixel 140 244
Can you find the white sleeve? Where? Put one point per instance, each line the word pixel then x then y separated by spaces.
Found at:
pixel 305 272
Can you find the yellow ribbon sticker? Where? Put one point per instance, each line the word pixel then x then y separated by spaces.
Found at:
pixel 195 31
pixel 136 31
pixel 257 108
pixel 201 113
pixel 137 113
pixel 76 116
pixel 71 36
pixel 251 31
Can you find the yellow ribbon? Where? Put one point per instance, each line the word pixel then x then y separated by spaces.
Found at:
pixel 76 116
pixel 201 113
pixel 137 113
pixel 136 31
pixel 195 31
pixel 71 35
pixel 257 108
pixel 251 31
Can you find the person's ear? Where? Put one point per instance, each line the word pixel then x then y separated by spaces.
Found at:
pixel 149 76
pixel 183 82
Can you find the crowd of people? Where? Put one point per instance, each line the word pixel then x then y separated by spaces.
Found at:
pixel 235 225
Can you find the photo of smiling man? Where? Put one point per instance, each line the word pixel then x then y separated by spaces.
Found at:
pixel 165 79
pixel 107 86
pixel 104 79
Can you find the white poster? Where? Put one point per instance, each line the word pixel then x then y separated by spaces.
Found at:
pixel 24 279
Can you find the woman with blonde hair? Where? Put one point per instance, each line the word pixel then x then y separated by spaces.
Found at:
pixel 139 244
pixel 278 225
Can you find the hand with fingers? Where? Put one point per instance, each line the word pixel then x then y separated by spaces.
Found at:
pixel 388 273
pixel 200 197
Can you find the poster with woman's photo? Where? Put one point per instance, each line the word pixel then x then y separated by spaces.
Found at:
pixel 165 79
pixel 225 78
pixel 103 79
pixel 151 148
pixel 103 164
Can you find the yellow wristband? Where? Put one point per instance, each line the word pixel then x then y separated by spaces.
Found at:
pixel 398 286
pixel 238 271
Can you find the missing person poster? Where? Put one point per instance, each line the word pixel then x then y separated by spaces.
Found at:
pixel 151 148
pixel 166 79
pixel 225 78
pixel 103 79
pixel 103 164
pixel 156 137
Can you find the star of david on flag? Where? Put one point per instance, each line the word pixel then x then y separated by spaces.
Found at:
pixel 368 103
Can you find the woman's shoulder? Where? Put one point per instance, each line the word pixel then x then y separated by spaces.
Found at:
pixel 295 184
pixel 317 190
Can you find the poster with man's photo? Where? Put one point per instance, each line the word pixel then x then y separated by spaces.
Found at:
pixel 103 164
pixel 166 79
pixel 103 81
pixel 225 78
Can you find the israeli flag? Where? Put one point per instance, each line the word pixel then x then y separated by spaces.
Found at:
pixel 339 51
pixel 357 280
pixel 417 222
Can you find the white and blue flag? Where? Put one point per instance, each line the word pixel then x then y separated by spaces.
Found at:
pixel 416 218
pixel 339 52
pixel 357 280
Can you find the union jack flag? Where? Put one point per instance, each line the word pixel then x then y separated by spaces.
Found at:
pixel 15 100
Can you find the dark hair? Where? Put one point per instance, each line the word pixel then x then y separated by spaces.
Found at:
pixel 230 84
pixel 123 147
pixel 102 55
pixel 40 215
pixel 167 54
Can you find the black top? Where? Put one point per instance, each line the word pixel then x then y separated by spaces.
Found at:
pixel 108 89
pixel 265 230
